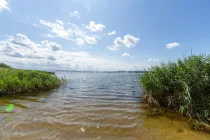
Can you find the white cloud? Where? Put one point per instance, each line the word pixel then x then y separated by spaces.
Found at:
pixel 119 42
pixel 172 45
pixel 112 33
pixel 22 52
pixel 75 14
pixel 95 27
pixel 20 46
pixel 125 55
pixel 79 42
pixel 15 54
pixel 22 40
pixel 60 22
pixel 57 29
pixel 153 60
pixel 75 33
pixel 128 42
pixel 4 5
pixel 112 48
pixel 52 58
pixel 90 40
pixel 78 32
pixel 52 45
pixel 48 35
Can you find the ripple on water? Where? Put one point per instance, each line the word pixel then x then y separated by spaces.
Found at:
pixel 92 106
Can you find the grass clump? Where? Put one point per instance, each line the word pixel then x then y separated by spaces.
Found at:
pixel 183 86
pixel 18 81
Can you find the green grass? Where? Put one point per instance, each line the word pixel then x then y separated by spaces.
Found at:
pixel 183 86
pixel 17 81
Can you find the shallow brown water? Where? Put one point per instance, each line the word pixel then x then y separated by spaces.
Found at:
pixel 90 107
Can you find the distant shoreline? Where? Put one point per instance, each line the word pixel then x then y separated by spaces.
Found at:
pixel 75 71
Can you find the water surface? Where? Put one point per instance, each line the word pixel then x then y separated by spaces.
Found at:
pixel 92 106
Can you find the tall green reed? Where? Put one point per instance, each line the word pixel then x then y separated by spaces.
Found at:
pixel 183 85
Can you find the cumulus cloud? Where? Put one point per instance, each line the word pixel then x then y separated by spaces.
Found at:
pixel 153 60
pixel 172 45
pixel 90 40
pixel 60 22
pixel 78 32
pixel 21 51
pixel 15 54
pixel 52 45
pixel 95 27
pixel 4 5
pixel 20 46
pixel 112 33
pixel 52 58
pixel 75 33
pixel 75 14
pixel 125 55
pixel 128 42
pixel 48 35
pixel 21 40
pixel 79 42
pixel 57 29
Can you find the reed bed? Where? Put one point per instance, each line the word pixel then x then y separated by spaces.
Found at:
pixel 183 86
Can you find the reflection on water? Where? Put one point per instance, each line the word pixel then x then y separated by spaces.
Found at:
pixel 90 107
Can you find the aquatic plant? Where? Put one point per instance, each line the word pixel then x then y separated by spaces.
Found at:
pixel 183 86
pixel 16 80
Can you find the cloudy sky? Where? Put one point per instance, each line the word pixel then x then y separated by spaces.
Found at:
pixel 101 34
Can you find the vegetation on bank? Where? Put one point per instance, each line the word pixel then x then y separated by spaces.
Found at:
pixel 2 65
pixel 183 86
pixel 17 81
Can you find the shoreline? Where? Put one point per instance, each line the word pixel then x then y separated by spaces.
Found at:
pixel 158 111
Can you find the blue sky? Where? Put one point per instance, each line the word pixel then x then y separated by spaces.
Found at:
pixel 101 34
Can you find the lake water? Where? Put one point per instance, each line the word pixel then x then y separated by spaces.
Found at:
pixel 92 106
